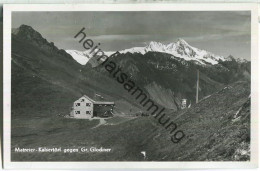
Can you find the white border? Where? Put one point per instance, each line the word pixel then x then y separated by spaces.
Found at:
pixel 129 7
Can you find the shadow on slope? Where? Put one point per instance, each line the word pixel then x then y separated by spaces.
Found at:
pixel 216 129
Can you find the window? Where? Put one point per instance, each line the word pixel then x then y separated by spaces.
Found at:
pixel 77 104
pixel 88 112
pixel 82 100
pixel 88 104
pixel 77 112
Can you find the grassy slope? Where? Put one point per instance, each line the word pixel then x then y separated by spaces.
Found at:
pixel 44 85
pixel 37 76
pixel 211 131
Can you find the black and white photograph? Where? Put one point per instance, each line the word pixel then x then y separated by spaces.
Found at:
pixel 130 85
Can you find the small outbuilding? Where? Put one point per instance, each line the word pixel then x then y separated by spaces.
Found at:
pixel 85 107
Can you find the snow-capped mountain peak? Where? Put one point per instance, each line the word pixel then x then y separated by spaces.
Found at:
pixel 181 42
pixel 179 49
pixel 155 46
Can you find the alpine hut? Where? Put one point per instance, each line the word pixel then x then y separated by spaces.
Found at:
pixel 85 107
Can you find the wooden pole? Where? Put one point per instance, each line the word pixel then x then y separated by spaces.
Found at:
pixel 197 91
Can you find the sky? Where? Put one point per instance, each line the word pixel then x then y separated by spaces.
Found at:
pixel 220 32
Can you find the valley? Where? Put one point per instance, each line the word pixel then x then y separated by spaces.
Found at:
pixel 47 80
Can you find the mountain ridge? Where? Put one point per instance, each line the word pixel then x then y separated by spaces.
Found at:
pixel 26 32
pixel 178 49
pixel 46 82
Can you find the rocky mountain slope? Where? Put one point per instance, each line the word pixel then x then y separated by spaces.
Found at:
pixel 47 80
pixel 159 74
pixel 173 79
pixel 41 71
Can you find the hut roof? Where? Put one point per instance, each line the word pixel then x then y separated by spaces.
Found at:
pixel 99 101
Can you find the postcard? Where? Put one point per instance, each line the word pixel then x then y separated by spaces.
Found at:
pixel 158 85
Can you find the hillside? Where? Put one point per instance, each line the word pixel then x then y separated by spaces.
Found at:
pixel 214 130
pixel 217 128
pixel 168 79
pixel 46 81
pixel 41 71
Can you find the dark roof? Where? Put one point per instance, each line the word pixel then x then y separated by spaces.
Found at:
pixel 99 101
